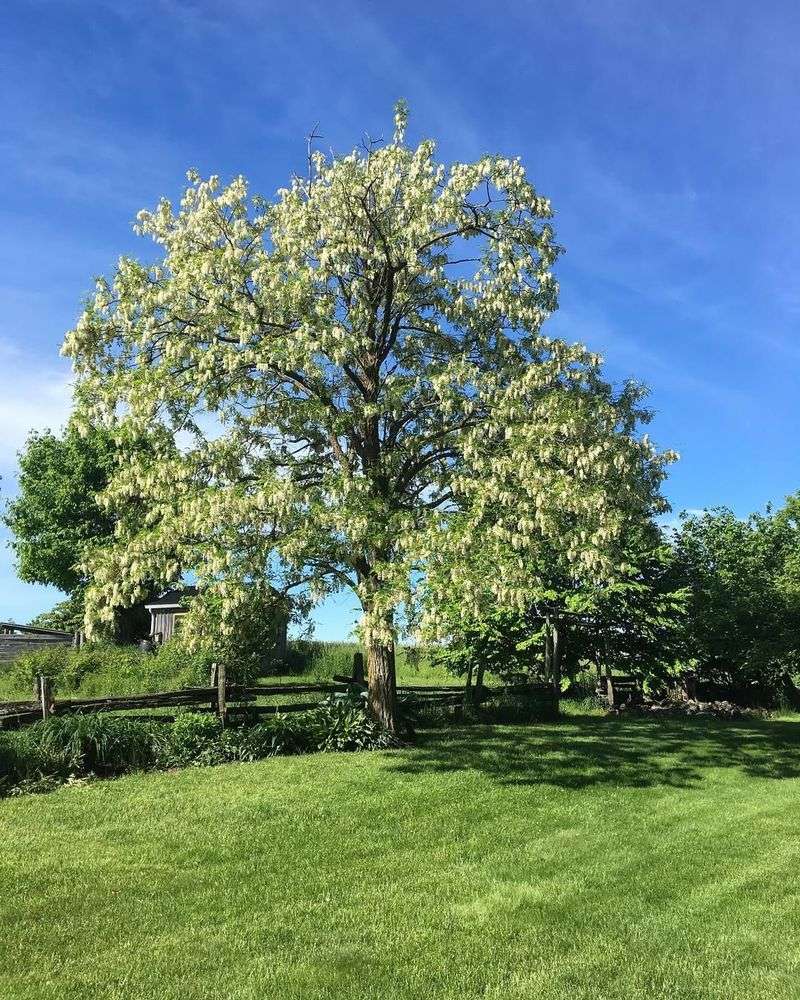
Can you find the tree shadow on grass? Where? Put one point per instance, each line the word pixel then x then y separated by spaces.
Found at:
pixel 580 751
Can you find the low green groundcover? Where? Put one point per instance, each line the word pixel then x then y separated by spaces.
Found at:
pixel 73 746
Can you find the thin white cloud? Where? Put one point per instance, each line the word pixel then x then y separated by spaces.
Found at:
pixel 660 367
pixel 34 397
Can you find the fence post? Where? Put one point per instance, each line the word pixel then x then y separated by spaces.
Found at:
pixel 358 667
pixel 213 686
pixel 222 707
pixel 555 661
pixel 610 693
pixel 45 696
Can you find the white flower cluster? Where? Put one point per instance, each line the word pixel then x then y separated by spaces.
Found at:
pixel 384 412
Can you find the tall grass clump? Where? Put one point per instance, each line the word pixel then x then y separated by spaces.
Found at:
pixel 319 660
pixel 75 746
pixel 99 669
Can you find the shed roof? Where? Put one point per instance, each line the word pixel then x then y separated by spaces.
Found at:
pixel 172 598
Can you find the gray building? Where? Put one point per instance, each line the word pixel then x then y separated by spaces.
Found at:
pixel 167 609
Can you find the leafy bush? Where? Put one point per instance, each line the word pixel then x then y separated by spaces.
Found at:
pixel 343 725
pixel 9 763
pixel 197 738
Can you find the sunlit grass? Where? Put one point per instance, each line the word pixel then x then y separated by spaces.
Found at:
pixel 127 671
pixel 581 859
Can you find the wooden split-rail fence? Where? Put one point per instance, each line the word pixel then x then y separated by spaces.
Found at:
pixel 619 690
pixel 222 698
pixel 219 697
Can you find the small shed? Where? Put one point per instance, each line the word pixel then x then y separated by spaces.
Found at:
pixel 167 609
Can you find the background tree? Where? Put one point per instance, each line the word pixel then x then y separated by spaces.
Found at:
pixel 744 609
pixel 384 406
pixel 634 623
pixel 57 519
pixel 497 642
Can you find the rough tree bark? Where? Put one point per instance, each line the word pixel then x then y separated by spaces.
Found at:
pixel 382 683
pixel 381 679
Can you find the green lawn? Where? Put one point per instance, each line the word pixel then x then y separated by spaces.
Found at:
pixel 589 858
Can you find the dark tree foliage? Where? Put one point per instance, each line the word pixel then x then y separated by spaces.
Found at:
pixel 496 642
pixel 56 520
pixel 56 517
pixel 634 623
pixel 743 625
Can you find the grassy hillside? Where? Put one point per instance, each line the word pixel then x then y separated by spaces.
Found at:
pixel 101 670
pixel 589 858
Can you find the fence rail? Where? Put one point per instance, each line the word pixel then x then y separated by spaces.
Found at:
pixel 11 628
pixel 220 696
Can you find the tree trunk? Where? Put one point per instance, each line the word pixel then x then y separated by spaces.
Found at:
pixel 382 683
pixel 555 661
pixel 479 683
pixel 468 687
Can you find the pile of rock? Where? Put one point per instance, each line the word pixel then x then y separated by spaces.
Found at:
pixel 691 707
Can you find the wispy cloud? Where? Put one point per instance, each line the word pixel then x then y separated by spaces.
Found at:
pixel 36 396
pixel 634 357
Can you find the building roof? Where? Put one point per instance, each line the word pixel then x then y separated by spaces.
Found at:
pixel 172 598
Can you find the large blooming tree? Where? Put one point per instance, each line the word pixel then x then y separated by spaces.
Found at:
pixel 365 398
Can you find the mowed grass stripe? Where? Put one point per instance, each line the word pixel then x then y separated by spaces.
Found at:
pixel 585 858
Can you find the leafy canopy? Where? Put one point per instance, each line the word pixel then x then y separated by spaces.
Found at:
pixel 364 392
pixel 744 608
pixel 635 622
pixel 56 519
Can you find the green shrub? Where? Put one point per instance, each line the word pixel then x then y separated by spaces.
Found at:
pixel 266 740
pixel 174 666
pixel 335 725
pixel 343 725
pixel 9 763
pixel 69 746
pixel 197 738
pixel 102 744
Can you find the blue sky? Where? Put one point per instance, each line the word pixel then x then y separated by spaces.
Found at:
pixel 666 135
